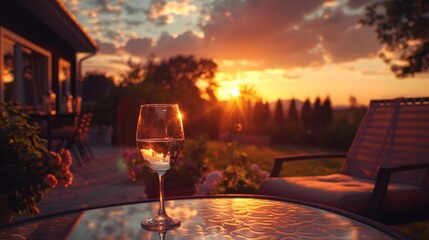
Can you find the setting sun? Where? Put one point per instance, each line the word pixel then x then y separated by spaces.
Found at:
pixel 234 93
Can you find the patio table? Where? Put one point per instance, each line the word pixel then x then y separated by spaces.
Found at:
pixel 213 217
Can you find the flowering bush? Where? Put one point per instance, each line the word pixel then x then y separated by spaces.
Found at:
pixel 27 169
pixel 239 176
pixel 180 179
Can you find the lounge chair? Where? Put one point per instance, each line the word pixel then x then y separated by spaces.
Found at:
pixel 385 175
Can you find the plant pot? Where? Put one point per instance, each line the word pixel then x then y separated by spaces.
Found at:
pixel 6 215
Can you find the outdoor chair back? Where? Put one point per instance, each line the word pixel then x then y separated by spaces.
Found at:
pixel 385 173
pixel 75 138
pixel 393 133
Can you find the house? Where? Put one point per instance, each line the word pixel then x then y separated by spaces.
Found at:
pixel 40 42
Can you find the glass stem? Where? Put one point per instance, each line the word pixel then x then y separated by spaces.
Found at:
pixel 161 196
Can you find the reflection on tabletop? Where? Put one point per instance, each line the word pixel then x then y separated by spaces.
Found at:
pixel 223 218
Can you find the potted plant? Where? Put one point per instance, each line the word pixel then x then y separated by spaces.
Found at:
pixel 27 169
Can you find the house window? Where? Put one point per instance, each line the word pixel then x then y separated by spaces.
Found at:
pixel 24 70
pixel 64 86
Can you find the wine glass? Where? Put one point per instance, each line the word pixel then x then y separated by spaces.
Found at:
pixel 160 138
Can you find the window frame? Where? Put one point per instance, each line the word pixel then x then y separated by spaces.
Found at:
pixel 61 64
pixel 10 35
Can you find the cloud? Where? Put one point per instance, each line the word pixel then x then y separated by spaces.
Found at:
pixel 163 12
pixel 253 30
pixel 186 43
pixel 107 48
pixel 131 10
pixel 72 5
pixel 112 34
pixel 134 22
pixel 139 47
pixel 277 32
pixel 342 38
pixel 92 13
pixel 268 34
pixel 291 76
pixel 106 7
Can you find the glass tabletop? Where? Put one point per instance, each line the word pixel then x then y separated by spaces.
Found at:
pixel 225 218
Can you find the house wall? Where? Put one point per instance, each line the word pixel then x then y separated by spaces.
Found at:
pixel 20 21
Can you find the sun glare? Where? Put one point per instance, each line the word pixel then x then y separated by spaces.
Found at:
pixel 234 92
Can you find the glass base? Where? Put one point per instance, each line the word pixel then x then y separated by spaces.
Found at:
pixel 159 223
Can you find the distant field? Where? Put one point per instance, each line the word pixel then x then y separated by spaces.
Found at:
pixel 264 157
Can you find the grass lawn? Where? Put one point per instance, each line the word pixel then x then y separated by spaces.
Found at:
pixel 264 157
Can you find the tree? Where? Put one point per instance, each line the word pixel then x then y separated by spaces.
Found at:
pixel 326 116
pixel 306 114
pixel 267 112
pixel 178 78
pixel 98 96
pixel 279 117
pixel 317 114
pixel 353 102
pixel 173 80
pixel 292 113
pixel 257 113
pixel 96 86
pixel 402 27
pixel 278 135
pixel 261 117
pixel 135 73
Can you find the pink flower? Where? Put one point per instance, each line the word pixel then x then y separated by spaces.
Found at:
pixel 65 169
pixel 66 156
pixel 209 182
pixel 214 177
pixel 255 168
pixel 53 158
pixel 51 180
pixel 67 179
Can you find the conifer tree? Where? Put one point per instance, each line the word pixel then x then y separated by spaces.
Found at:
pixel 317 114
pixel 326 112
pixel 278 133
pixel 306 114
pixel 266 112
pixel 279 117
pixel 257 112
pixel 292 113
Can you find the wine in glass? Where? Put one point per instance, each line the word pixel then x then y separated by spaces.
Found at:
pixel 160 138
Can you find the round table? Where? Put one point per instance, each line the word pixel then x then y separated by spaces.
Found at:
pixel 226 217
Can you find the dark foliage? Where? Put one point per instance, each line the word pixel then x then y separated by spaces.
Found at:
pixel 279 117
pixel 279 120
pixel 292 112
pixel 326 116
pixel 402 27
pixel 317 115
pixel 98 95
pixel 307 114
pixel 171 80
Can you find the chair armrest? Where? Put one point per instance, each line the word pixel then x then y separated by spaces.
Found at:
pixel 381 184
pixel 275 172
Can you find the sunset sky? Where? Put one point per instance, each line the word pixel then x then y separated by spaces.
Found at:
pixel 284 48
